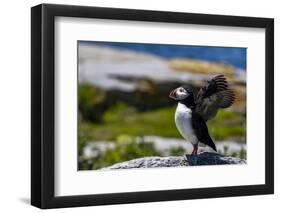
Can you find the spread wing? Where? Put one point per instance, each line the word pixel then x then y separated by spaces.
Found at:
pixel 201 130
pixel 213 96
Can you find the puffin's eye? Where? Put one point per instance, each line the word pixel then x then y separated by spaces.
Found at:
pixel 181 90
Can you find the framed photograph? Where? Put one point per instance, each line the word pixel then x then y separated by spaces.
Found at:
pixel 139 106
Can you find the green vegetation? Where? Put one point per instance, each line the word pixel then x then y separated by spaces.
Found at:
pixel 242 154
pixel 177 151
pixel 91 104
pixel 227 124
pixel 127 148
pixel 121 119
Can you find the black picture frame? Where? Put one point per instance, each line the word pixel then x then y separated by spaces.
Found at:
pixel 43 102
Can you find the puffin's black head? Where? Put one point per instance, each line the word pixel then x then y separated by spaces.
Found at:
pixel 183 95
pixel 180 93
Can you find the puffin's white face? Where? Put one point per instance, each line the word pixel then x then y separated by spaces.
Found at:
pixel 179 94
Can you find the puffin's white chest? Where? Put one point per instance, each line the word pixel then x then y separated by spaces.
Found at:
pixel 183 121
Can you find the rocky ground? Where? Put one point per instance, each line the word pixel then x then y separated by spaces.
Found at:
pixel 204 158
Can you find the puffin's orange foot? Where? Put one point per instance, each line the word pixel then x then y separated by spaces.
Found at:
pixel 194 153
pixel 195 149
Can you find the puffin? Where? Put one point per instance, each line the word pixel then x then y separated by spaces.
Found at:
pixel 193 111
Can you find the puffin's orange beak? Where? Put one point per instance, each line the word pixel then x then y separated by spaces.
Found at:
pixel 173 94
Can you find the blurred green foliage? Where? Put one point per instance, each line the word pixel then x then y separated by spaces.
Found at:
pixel 227 124
pixel 87 95
pixel 91 104
pixel 126 148
pixel 242 154
pixel 122 119
pixel 177 151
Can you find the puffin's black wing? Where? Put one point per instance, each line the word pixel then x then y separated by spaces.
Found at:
pixel 201 130
pixel 213 96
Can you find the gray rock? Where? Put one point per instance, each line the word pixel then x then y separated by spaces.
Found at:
pixel 204 158
pixel 208 158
